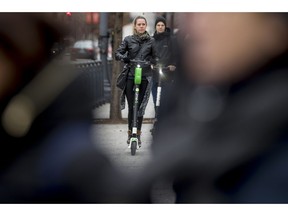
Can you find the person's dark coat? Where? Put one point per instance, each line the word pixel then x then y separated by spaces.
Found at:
pixel 134 47
pixel 165 44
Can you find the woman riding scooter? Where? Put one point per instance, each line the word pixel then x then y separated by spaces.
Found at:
pixel 138 46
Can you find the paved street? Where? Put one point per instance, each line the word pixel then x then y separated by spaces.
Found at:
pixel 114 144
pixel 112 139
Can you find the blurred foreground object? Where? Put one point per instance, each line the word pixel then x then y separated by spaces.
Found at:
pixel 223 138
pixel 46 154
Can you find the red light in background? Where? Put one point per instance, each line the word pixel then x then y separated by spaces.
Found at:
pixel 68 14
pixel 92 18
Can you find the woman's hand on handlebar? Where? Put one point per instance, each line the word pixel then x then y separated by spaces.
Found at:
pixel 126 60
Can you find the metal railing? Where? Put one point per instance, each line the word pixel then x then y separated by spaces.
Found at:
pixel 93 77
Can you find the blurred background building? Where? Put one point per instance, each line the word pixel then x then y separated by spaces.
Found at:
pixel 86 25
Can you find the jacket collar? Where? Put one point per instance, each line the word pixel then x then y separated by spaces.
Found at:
pixel 160 36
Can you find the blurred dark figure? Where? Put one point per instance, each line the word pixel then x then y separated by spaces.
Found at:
pixel 223 139
pixel 46 154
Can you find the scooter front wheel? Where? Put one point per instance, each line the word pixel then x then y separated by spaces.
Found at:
pixel 133 147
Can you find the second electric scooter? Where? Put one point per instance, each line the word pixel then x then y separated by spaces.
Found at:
pixel 160 70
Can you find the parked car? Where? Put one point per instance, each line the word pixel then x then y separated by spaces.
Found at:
pixel 85 49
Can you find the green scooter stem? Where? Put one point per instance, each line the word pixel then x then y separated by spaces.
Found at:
pixel 138 75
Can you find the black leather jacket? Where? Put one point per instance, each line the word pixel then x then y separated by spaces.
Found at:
pixel 135 48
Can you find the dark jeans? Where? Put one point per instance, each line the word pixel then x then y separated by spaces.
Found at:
pixel 129 92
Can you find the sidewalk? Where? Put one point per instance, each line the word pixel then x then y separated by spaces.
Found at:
pixel 111 139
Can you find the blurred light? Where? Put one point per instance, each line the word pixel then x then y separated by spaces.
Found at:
pixel 161 72
pixel 23 108
pixel 68 13
pixel 92 18
pixel 18 116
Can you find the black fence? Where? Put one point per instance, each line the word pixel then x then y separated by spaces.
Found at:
pixel 96 81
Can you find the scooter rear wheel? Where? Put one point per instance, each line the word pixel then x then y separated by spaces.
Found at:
pixel 133 147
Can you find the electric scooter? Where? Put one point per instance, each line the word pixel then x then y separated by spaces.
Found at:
pixel 160 70
pixel 134 142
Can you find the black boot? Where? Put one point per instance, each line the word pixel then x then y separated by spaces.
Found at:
pixel 138 137
pixel 129 136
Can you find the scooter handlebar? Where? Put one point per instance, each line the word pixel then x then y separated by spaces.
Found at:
pixel 141 62
pixel 160 67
